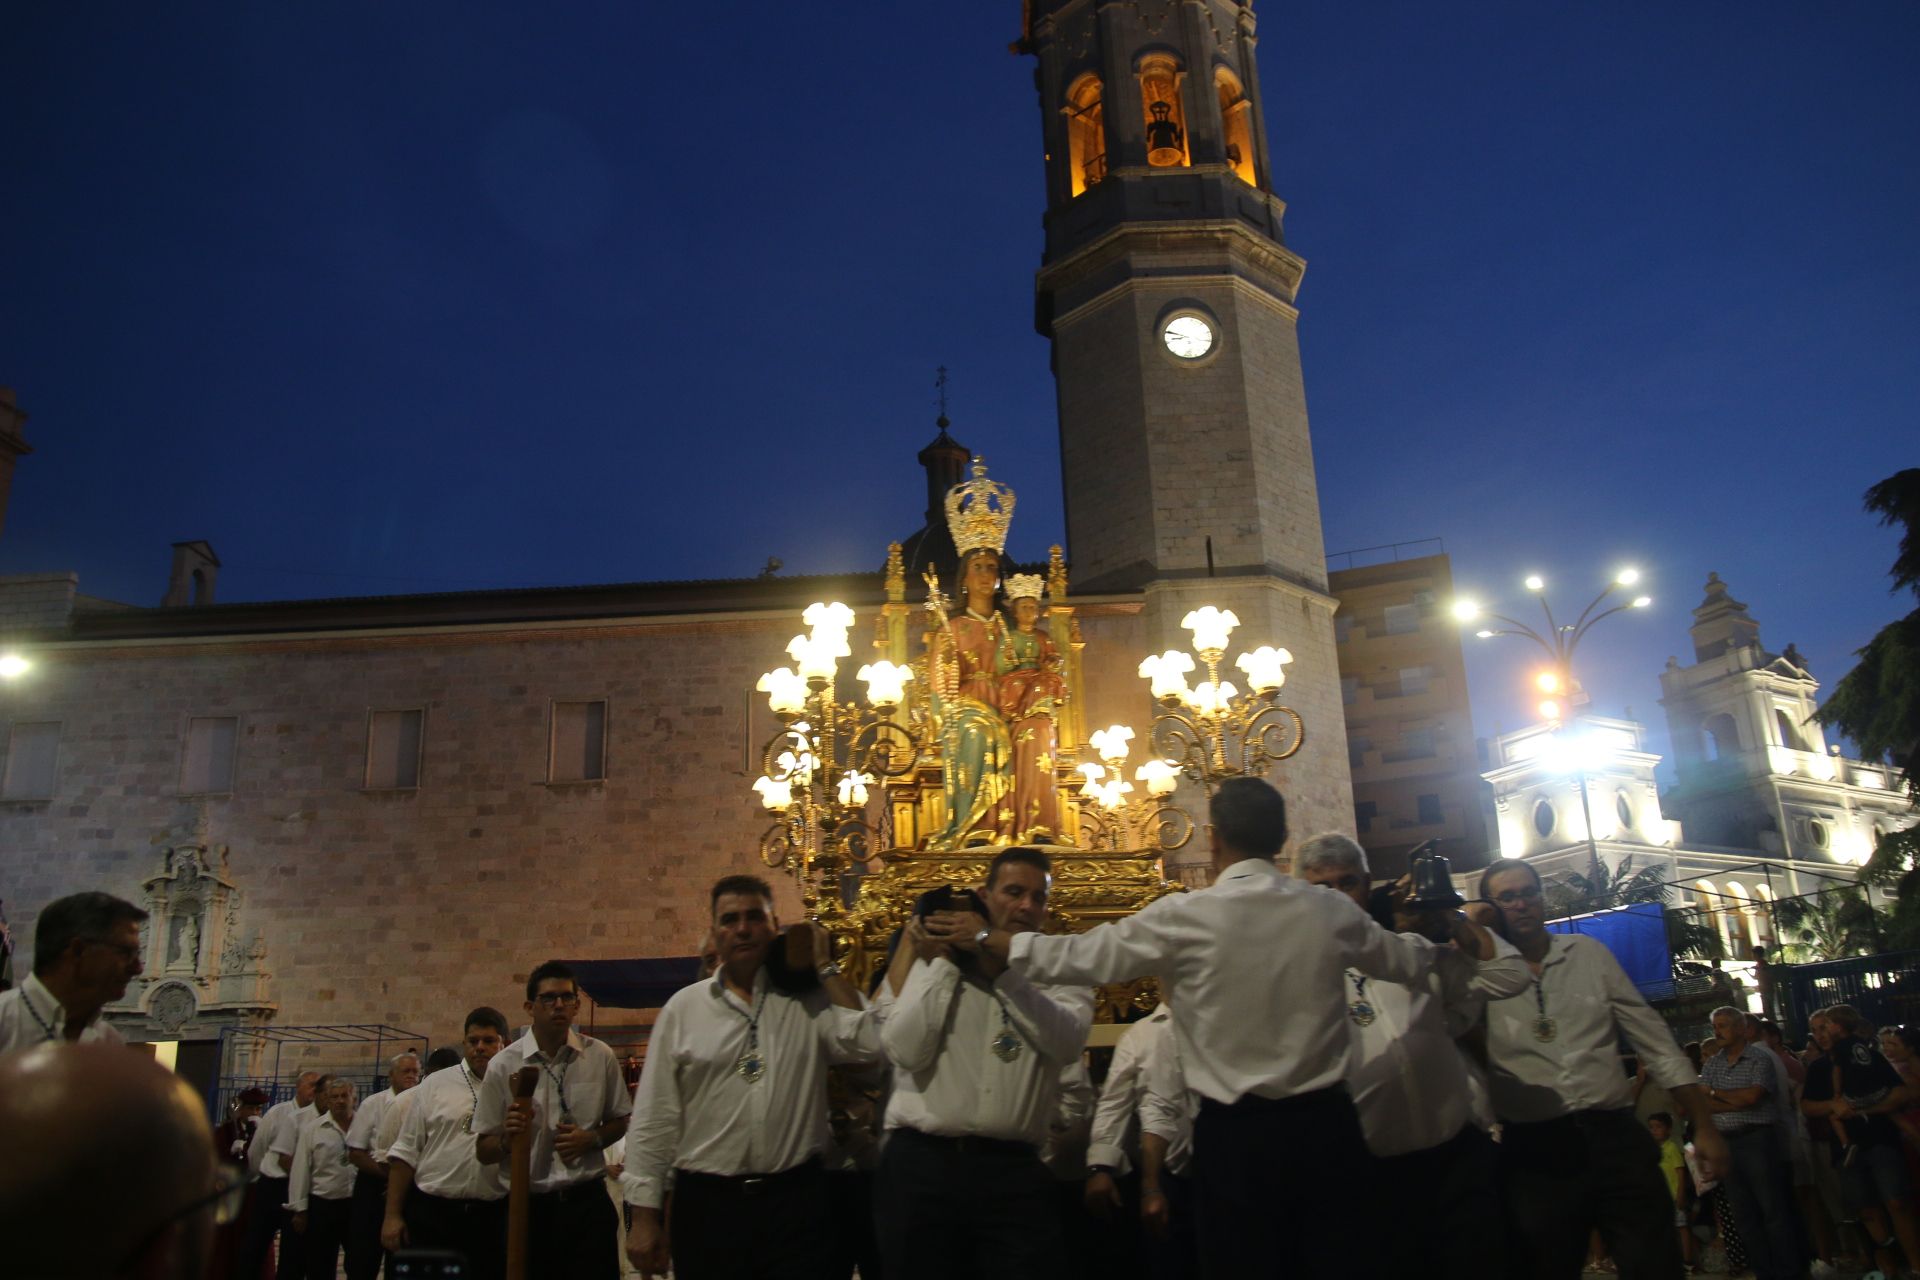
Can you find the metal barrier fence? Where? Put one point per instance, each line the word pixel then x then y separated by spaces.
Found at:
pixel 1884 988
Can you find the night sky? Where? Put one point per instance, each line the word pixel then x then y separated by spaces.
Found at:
pixel 383 298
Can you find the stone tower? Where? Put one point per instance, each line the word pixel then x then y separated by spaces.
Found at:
pixel 1168 295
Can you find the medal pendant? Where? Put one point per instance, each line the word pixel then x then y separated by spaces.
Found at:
pixel 1545 1029
pixel 750 1066
pixel 1006 1046
pixel 566 1117
pixel 1361 1012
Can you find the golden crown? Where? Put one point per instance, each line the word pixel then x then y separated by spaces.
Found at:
pixel 1025 586
pixel 978 513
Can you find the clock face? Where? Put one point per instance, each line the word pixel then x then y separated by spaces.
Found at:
pixel 1188 337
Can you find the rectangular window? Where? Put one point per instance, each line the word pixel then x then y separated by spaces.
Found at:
pixel 206 769
pixel 1430 811
pixel 1414 680
pixel 1418 743
pixel 1402 619
pixel 393 749
pixel 1357 749
pixel 1363 815
pixel 1349 690
pixel 33 750
pixel 1342 628
pixel 577 751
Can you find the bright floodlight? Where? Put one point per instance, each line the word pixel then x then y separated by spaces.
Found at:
pixel 1549 709
pixel 1641 602
pixel 1483 635
pixel 1627 577
pixel 1536 583
pixel 1466 610
pixel 13 666
pixel 1547 682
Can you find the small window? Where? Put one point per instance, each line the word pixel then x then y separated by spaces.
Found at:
pixel 1357 749
pixel 1235 113
pixel 1403 619
pixel 33 749
pixel 1342 629
pixel 1420 743
pixel 578 748
pixel 1086 133
pixel 1623 809
pixel 1430 814
pixel 1789 735
pixel 1424 599
pixel 1414 680
pixel 1364 813
pixel 394 740
pixel 206 769
pixel 1349 690
pixel 1817 833
pixel 1543 818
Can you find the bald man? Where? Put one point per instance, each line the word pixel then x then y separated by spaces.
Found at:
pixel 123 1181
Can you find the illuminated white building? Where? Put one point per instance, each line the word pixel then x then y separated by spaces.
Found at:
pixel 1762 808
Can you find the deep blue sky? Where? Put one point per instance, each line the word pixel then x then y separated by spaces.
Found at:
pixel 419 297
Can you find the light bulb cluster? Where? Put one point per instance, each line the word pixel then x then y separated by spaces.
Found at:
pixel 1105 782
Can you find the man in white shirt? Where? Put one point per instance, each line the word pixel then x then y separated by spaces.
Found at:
pixel 320 1191
pixel 732 1104
pixel 439 1195
pixel 1572 1157
pixel 1410 1083
pixel 364 1254
pixel 579 1107
pixel 1113 1150
pixel 1254 967
pixel 978 1053
pixel 267 1157
pixel 86 949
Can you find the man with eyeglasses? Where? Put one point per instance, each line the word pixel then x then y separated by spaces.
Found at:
pixel 112 1171
pixel 86 949
pixel 1573 1159
pixel 439 1195
pixel 578 1109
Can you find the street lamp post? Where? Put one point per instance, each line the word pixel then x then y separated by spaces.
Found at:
pixel 1559 642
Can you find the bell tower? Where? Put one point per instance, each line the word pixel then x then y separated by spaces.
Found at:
pixel 1168 294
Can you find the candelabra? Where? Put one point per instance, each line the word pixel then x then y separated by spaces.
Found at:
pixel 817 769
pixel 1212 731
pixel 1109 819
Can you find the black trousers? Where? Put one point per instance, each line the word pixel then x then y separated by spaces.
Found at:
pixel 1176 1255
pixel 946 1208
pixel 475 1228
pixel 267 1221
pixel 771 1228
pixel 327 1223
pixel 1444 1202
pixel 573 1234
pixel 850 1242
pixel 364 1254
pixel 1278 1188
pixel 1593 1170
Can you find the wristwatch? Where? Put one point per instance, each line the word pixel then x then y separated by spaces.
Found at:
pixel 831 969
pixel 980 938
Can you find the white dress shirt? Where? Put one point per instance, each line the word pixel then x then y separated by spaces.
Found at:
pixel 939 1034
pixel 595 1091
pixel 321 1169
pixel 1407 1076
pixel 1168 1104
pixel 436 1138
pixel 1252 966
pixel 396 1116
pixel 274 1139
pixel 29 1016
pixel 694 1110
pixel 1592 1004
pixel 1116 1121
pixel 367 1119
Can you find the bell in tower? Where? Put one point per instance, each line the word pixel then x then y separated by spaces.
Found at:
pixel 1164 137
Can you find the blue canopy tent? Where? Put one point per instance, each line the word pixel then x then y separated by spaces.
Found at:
pixel 1637 936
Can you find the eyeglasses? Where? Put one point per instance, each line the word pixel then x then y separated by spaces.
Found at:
pixel 1514 897
pixel 127 950
pixel 229 1194
pixel 557 999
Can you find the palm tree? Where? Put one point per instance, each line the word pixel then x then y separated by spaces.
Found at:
pixel 1600 887
pixel 1831 924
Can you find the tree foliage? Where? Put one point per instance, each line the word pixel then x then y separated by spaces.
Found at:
pixel 1601 887
pixel 1831 924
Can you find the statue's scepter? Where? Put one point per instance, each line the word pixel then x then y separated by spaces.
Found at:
pixel 937 605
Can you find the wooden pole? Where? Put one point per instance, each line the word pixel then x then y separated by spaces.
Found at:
pixel 525 1081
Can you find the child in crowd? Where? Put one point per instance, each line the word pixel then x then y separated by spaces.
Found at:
pixel 1673 1163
